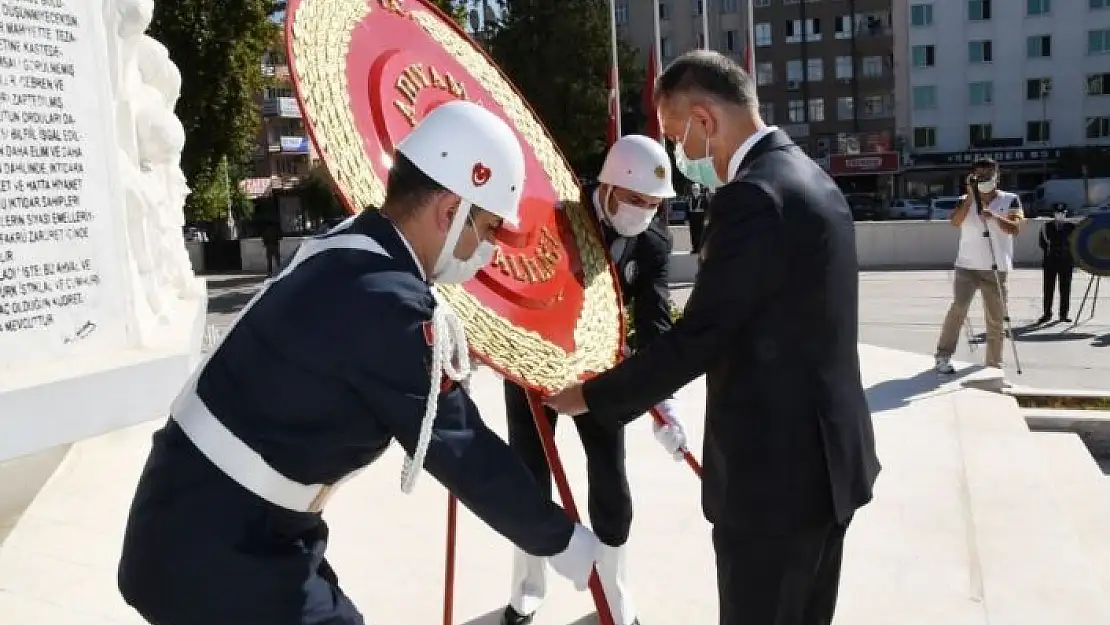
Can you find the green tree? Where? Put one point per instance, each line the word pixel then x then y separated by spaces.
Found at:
pixel 218 47
pixel 317 195
pixel 454 8
pixel 558 55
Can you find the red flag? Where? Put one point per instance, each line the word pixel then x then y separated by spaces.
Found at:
pixel 652 127
pixel 748 60
pixel 611 84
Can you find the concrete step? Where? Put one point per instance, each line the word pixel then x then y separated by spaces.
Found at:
pixel 1032 565
pixel 1084 494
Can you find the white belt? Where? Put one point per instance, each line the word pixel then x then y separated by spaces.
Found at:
pixel 242 464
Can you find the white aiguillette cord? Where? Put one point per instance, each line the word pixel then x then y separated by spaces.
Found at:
pixel 450 356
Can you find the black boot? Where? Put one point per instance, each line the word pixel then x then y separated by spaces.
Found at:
pixel 512 617
pixel 1045 318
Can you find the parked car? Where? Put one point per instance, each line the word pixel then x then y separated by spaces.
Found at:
pixel 908 209
pixel 865 207
pixel 942 207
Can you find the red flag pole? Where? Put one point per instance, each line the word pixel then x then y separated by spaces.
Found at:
pixel 449 560
pixel 547 437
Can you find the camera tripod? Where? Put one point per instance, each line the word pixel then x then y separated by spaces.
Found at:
pixel 1008 327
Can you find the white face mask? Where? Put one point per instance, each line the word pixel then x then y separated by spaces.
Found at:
pixel 1059 217
pixel 988 185
pixel 628 220
pixel 452 270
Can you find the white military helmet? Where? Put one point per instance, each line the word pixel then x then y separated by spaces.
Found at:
pixel 473 154
pixel 639 164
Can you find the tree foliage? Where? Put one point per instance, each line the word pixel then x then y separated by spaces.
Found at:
pixel 454 8
pixel 558 55
pixel 318 195
pixel 218 48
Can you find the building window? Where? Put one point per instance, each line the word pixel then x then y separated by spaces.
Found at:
pixel 622 14
pixel 875 106
pixel 664 11
pixel 794 71
pixel 925 137
pixel 817 110
pixel 796 30
pixel 871 66
pixel 845 108
pixel 1039 131
pixel 698 7
pixel 924 56
pixel 764 74
pixel 844 68
pixel 1036 88
pixel 979 134
pixel 1038 46
pixel 796 111
pixel 980 52
pixel 763 34
pixel 1098 84
pixel 980 93
pixel 1099 4
pixel 921 14
pixel 842 26
pixel 1098 127
pixel 1098 41
pixel 815 70
pixel 701 40
pixel 924 97
pixel 978 10
pixel 728 6
pixel 665 47
pixel 1038 7
pixel 767 112
pixel 761 4
pixel 731 37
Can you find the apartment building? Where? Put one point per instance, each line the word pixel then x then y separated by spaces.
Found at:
pixel 824 68
pixel 284 153
pixel 1021 81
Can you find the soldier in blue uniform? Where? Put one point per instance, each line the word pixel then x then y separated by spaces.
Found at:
pixel 320 372
pixel 634 180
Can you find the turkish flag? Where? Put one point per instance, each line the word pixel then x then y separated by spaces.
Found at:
pixel 652 126
pixel 611 83
pixel 748 66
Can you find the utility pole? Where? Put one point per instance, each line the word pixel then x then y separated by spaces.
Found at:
pixel 1046 89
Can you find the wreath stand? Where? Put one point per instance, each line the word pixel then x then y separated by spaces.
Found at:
pixel 547 438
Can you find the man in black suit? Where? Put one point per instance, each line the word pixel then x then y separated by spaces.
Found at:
pixel 1055 242
pixel 634 181
pixel 789 445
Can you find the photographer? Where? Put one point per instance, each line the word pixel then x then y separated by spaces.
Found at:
pixel 1058 264
pixel 988 219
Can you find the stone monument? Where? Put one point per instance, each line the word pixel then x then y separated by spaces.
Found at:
pixel 101 317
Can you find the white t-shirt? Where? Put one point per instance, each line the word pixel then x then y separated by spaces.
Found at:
pixel 975 252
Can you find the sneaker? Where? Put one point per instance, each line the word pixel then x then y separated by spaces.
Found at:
pixel 944 365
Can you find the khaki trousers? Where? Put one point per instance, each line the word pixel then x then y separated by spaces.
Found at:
pixel 964 285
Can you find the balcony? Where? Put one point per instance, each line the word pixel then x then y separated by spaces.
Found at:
pixel 290 144
pixel 796 131
pixel 284 107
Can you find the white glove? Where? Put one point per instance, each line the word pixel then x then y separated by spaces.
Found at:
pixel 670 435
pixel 576 562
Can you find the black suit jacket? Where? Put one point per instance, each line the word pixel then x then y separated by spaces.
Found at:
pixel 772 321
pixel 1055 242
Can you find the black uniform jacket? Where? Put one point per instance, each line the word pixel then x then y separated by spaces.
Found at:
pixel 1055 242
pixel 322 373
pixel 642 263
pixel 773 322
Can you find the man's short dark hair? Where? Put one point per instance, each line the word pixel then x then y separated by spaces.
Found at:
pixel 408 187
pixel 985 163
pixel 707 73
